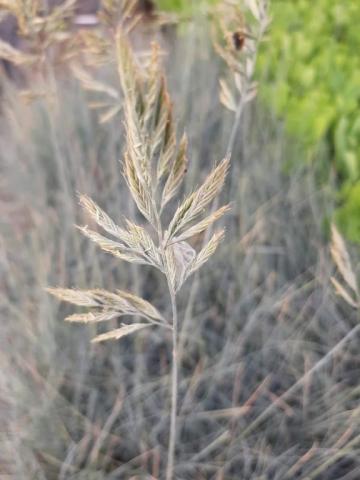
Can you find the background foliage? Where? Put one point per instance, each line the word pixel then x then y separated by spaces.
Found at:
pixel 311 78
pixel 312 71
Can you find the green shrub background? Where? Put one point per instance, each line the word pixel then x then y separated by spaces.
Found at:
pixel 311 65
pixel 311 78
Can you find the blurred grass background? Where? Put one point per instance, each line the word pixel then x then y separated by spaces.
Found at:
pixel 265 316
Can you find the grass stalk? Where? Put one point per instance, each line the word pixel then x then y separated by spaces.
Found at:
pixel 174 386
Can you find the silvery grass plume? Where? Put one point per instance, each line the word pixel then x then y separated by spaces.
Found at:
pixel 154 166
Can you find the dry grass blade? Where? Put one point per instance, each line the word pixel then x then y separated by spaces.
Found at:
pixel 120 332
pixel 342 259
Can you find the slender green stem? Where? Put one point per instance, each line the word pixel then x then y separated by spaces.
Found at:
pixel 174 387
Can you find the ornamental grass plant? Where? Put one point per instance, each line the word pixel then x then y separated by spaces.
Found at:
pixel 268 369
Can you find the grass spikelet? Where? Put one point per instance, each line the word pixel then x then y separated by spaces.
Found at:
pixel 206 252
pixel 82 298
pixel 91 317
pixel 203 225
pixel 108 305
pixel 195 204
pixel 117 249
pixel 177 173
pixel 120 332
pixel 102 218
pixel 140 194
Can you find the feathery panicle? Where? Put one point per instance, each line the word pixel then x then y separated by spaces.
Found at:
pixel 150 131
pixel 152 160
pixel 120 332
pixel 151 154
